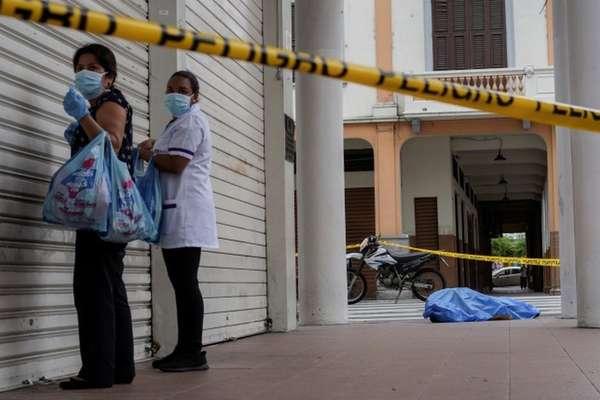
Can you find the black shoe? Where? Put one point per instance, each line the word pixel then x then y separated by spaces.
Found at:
pixel 81 384
pixel 161 361
pixel 186 362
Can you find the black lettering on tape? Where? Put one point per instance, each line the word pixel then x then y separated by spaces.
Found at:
pixel 112 24
pixel 504 102
pixel 319 62
pixel 296 61
pixel 302 58
pixel 575 113
pixel 226 47
pixel 490 98
pixel 327 70
pixel 284 57
pixel 324 68
pixel 477 95
pixel 427 89
pixel 538 106
pixel 404 84
pixel 252 53
pixel 83 18
pixel 263 55
pixel 166 37
pixel 458 96
pixel 64 18
pixel 313 64
pixel 595 115
pixel 23 13
pixel 383 75
pixel 344 71
pixel 198 39
pixel 559 111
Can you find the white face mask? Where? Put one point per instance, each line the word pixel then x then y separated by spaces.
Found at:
pixel 89 83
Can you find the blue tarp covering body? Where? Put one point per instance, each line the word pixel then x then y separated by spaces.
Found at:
pixel 466 305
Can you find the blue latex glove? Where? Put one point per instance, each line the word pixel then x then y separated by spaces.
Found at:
pixel 75 104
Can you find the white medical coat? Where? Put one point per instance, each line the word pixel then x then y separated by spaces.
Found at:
pixel 188 217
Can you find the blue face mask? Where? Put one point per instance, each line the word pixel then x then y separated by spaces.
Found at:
pixel 178 104
pixel 89 83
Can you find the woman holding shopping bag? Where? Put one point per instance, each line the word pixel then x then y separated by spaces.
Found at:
pixel 105 328
pixel 183 154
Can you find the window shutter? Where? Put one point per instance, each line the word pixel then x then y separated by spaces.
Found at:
pixel 497 32
pixel 469 34
pixel 478 34
pixel 441 34
pixel 460 34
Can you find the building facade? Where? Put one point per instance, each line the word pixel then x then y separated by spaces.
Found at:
pixel 449 177
pixel 445 176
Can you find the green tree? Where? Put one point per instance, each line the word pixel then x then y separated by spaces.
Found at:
pixel 509 247
pixel 519 248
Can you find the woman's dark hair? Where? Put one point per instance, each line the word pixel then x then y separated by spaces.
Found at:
pixel 191 77
pixel 106 58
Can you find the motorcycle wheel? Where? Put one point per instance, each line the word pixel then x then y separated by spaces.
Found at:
pixel 358 290
pixel 427 281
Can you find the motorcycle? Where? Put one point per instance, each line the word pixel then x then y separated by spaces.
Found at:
pixel 394 271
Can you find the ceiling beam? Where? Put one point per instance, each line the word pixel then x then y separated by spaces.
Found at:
pixel 466 158
pixel 509 169
pixel 511 179
pixel 522 141
pixel 501 189
pixel 511 196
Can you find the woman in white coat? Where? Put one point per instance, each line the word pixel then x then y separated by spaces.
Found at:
pixel 183 155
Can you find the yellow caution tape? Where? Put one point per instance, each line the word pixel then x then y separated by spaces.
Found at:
pixel 519 107
pixel 544 262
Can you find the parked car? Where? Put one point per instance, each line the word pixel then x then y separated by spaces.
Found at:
pixel 507 276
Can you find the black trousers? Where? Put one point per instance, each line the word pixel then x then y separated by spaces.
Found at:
pixel 105 329
pixel 182 267
pixel 523 282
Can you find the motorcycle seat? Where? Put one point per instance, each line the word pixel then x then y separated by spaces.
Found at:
pixel 404 258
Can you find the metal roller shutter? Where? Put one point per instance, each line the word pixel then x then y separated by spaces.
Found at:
pixel 233 279
pixel 38 324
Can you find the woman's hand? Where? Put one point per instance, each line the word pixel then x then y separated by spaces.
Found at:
pixel 147 144
pixel 146 149
pixel 145 153
pixel 75 105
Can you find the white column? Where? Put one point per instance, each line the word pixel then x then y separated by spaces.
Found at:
pixel 281 261
pixel 584 67
pixel 568 289
pixel 163 62
pixel 320 173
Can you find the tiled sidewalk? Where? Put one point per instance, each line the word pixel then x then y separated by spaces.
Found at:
pixel 542 359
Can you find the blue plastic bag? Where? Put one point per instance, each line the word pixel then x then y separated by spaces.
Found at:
pixel 79 193
pixel 467 305
pixel 128 218
pixel 148 183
